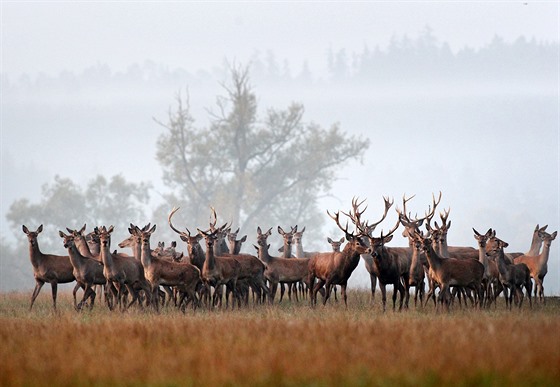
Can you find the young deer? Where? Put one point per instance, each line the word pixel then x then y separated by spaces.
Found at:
pixel 50 268
pixel 286 250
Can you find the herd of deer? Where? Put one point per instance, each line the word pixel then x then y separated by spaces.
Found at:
pixel 155 277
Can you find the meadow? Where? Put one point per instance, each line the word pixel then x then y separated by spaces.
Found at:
pixel 285 344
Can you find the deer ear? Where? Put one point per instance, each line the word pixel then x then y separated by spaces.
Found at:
pixel 111 229
pixel 174 244
pixel 255 247
pixel 259 231
pixel 280 231
pixel 244 238
pixel 341 240
pixel 40 229
pixel 388 239
pixel 24 228
pixel 61 234
pixel 553 235
pixel 302 230
pixel 183 238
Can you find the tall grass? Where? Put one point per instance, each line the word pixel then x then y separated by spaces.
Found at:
pixel 287 344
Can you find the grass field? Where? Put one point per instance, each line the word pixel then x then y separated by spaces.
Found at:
pixel 287 344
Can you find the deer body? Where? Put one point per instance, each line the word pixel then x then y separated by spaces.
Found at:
pixel 163 272
pixel 449 272
pixel 123 271
pixel 87 271
pixel 47 268
pixel 287 270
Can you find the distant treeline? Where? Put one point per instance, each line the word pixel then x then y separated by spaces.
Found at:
pixel 423 58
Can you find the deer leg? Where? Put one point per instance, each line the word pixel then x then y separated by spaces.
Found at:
pixel 373 282
pixel 328 289
pixel 54 288
pixel 383 295
pixel 282 291
pixel 38 286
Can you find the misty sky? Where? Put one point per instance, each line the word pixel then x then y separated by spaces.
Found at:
pixel 52 37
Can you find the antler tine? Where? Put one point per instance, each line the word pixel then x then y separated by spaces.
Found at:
pixel 444 215
pixel 404 201
pixel 213 224
pixel 173 211
pixel 393 229
pixel 336 218
pixel 355 213
pixel 388 205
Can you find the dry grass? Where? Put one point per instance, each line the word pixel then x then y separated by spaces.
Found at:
pixel 287 344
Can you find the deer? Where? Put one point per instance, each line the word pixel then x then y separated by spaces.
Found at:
pixel 218 271
pixel 512 276
pixel 449 272
pixel 336 245
pixel 538 264
pixel 124 271
pixel 279 269
pixel 134 242
pixel 87 271
pixel 388 266
pixel 286 250
pixel 491 282
pixel 48 268
pixel 335 268
pixel 162 272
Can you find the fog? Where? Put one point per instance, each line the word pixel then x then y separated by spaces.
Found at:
pixel 81 84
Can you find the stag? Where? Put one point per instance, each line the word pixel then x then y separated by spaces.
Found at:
pixel 335 268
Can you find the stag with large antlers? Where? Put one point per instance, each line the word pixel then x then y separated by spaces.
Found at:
pixel 391 265
pixel 335 268
pixel 48 268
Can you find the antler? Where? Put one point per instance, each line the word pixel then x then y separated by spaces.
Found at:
pixel 403 213
pixel 173 211
pixel 355 213
pixel 336 218
pixel 213 224
pixel 388 204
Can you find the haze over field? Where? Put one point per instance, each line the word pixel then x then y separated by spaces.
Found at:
pixel 456 97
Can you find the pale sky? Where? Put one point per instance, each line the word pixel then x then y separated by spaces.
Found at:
pixel 54 36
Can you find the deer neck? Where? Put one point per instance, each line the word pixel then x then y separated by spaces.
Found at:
pixel 35 254
pixel 415 268
pixel 75 255
pixel 543 257
pixel 264 255
pixel 106 256
pixel 482 258
pixel 287 250
pixel 433 259
pixel 502 265
pixel 443 248
pixel 210 261
pixel 299 250
pixel 146 255
pixel 536 244
pixel 83 247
